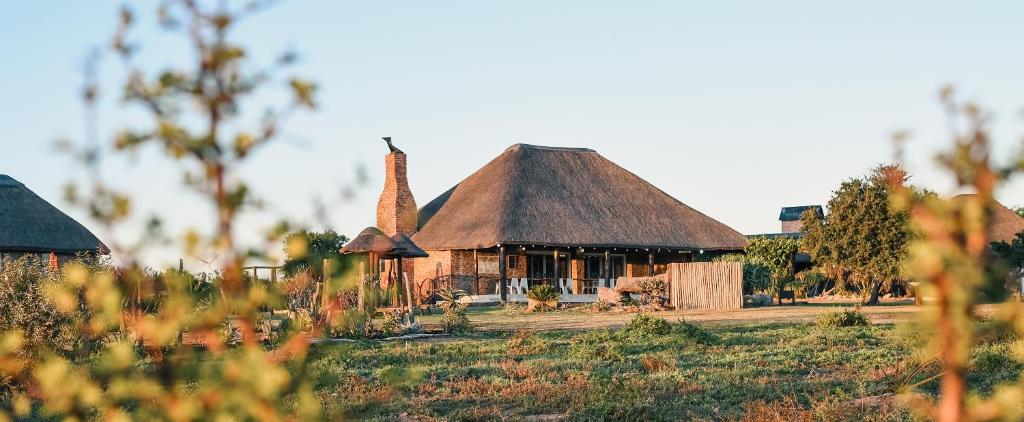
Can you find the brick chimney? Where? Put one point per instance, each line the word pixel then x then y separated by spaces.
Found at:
pixel 396 209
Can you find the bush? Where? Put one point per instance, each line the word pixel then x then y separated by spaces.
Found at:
pixel 653 292
pixel 847 318
pixel 26 308
pixel 392 324
pixel 600 306
pixel 448 299
pixel 454 321
pixel 646 325
pixel 695 333
pixel 543 295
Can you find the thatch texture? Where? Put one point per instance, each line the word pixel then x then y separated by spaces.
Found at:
pixel 564 197
pixel 370 240
pixel 1005 223
pixel 30 224
pixel 405 248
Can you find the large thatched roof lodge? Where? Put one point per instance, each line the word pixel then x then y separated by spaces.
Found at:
pixel 30 225
pixel 567 217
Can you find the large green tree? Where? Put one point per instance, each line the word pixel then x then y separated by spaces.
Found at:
pixel 776 255
pixel 863 239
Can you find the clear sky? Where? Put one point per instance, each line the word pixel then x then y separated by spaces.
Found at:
pixel 735 108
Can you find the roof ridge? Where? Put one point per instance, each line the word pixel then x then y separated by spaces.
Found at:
pixel 547 148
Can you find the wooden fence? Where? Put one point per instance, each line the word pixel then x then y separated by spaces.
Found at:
pixel 706 285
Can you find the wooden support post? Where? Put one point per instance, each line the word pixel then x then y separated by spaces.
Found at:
pixel 324 287
pixel 409 298
pixel 650 264
pixel 607 268
pixel 181 265
pixel 273 274
pixel 476 269
pixel 361 283
pixel 554 278
pixel 502 274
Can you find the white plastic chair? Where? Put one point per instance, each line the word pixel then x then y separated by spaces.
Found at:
pixel 524 285
pixel 561 286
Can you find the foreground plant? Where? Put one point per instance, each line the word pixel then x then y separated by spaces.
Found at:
pixel 952 261
pixel 159 351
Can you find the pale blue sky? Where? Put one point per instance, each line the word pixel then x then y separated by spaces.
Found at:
pixel 735 108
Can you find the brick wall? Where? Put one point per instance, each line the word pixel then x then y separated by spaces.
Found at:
pixel 792 226
pixel 396 209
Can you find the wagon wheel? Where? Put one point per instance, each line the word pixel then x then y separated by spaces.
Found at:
pixel 425 291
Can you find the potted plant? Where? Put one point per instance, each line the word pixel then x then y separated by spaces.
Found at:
pixel 541 298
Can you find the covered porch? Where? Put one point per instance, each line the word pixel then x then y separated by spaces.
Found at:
pixel 506 273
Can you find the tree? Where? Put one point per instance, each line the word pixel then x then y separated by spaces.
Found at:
pixel 775 254
pixel 863 240
pixel 306 251
pixel 1012 255
pixel 757 277
pixel 1019 211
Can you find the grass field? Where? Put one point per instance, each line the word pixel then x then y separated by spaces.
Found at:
pixel 731 369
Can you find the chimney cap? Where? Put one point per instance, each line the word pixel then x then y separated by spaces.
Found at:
pixel 391 146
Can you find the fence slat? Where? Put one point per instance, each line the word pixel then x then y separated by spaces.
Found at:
pixel 706 285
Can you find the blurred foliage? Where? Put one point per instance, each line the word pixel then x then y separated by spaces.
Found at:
pixel 128 343
pixel 952 260
pixel 862 242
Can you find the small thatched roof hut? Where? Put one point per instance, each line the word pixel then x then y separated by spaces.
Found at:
pixel 568 197
pixel 30 224
pixel 370 240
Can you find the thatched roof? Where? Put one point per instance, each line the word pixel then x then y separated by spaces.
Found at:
pixel 1005 223
pixel 405 248
pixel 564 197
pixel 371 239
pixel 30 224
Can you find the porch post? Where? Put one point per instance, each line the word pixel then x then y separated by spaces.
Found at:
pixel 476 269
pixel 554 280
pixel 410 299
pixel 650 263
pixel 502 274
pixel 607 268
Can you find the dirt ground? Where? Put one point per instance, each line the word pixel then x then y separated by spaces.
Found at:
pixel 495 319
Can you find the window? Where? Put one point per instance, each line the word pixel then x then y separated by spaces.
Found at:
pixel 513 262
pixel 487 264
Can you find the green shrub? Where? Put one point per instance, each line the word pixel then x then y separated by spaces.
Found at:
pixel 454 321
pixel 601 306
pixel 448 299
pixel 646 325
pixel 695 333
pixel 847 318
pixel 392 324
pixel 544 295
